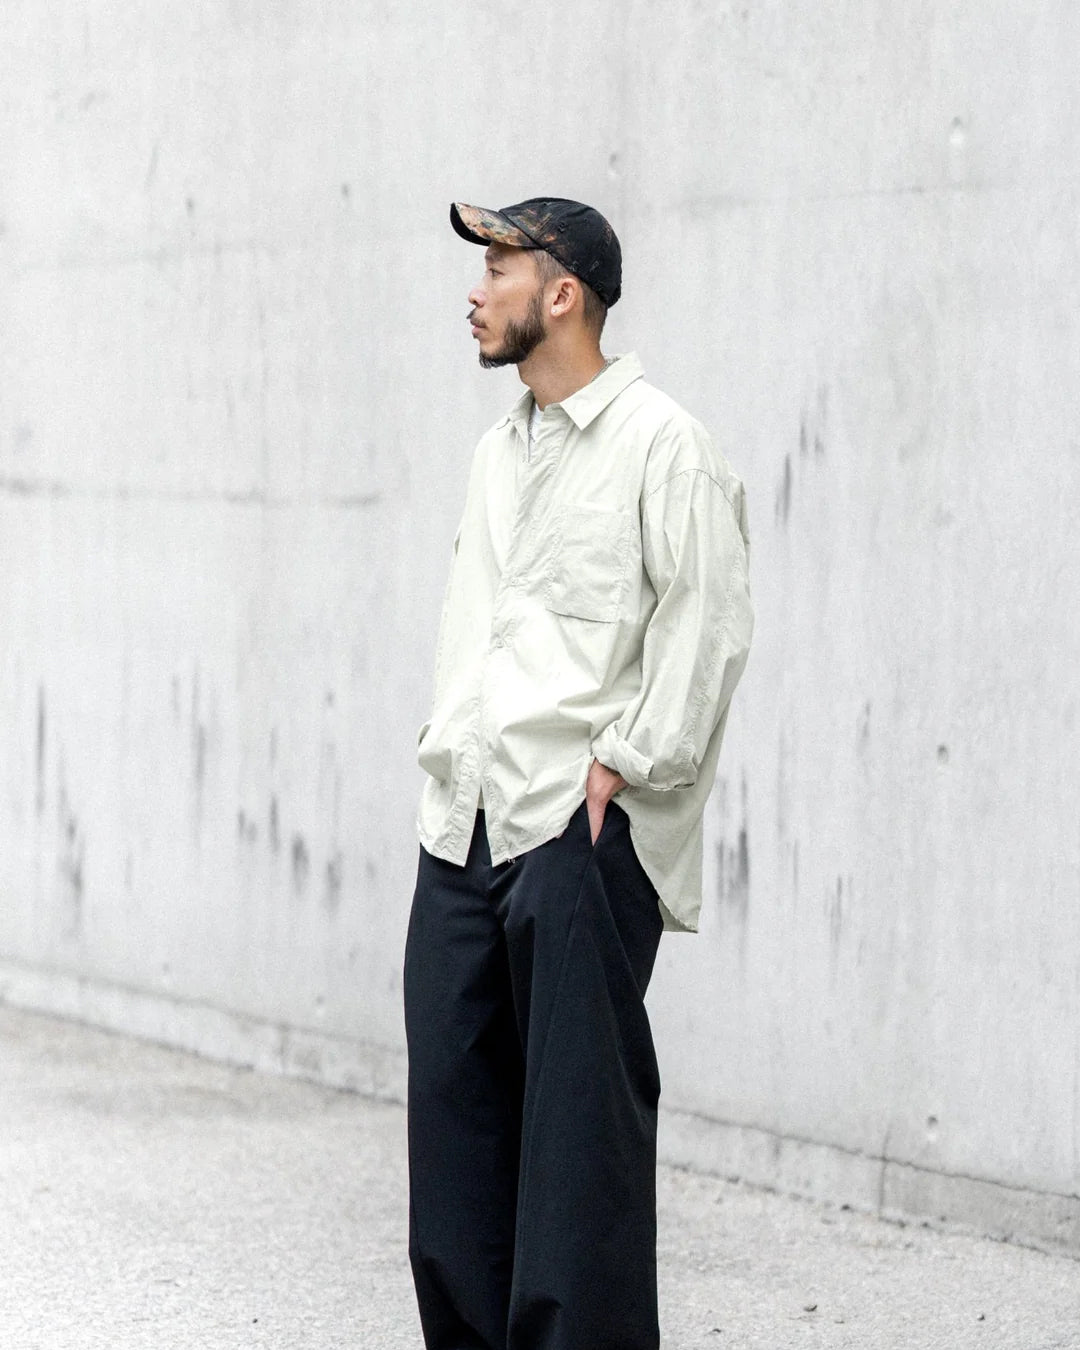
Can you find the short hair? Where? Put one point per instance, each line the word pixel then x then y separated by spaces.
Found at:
pixel 549 267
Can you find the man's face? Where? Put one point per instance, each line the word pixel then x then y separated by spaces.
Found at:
pixel 507 307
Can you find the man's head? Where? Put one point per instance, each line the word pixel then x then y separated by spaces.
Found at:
pixel 548 262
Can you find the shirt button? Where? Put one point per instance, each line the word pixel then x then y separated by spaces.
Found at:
pixel 498 642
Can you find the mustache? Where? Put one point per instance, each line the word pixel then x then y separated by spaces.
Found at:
pixel 473 319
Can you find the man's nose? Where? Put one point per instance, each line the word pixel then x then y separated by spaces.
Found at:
pixel 477 296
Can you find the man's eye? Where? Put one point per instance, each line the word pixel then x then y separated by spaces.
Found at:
pixel 493 272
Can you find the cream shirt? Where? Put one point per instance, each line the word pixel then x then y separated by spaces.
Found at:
pixel 598 606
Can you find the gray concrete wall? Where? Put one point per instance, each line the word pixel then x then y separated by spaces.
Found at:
pixel 237 404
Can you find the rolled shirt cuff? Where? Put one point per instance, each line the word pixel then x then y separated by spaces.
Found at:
pixel 615 753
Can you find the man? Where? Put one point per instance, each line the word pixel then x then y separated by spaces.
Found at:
pixel 596 622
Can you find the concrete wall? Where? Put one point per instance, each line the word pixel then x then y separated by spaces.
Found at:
pixel 237 403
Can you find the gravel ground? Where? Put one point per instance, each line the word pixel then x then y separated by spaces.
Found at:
pixel 155 1200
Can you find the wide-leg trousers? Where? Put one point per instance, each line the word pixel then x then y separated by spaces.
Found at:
pixel 533 1090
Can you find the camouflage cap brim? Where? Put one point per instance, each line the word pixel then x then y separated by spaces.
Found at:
pixel 479 225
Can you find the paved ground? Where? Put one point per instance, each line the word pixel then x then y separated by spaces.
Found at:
pixel 151 1200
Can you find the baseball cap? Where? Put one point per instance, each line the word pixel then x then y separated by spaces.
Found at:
pixel 576 235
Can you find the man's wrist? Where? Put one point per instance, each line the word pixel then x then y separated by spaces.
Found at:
pixel 611 750
pixel 603 782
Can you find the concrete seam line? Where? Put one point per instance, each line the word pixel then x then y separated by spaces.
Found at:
pixel 862 1155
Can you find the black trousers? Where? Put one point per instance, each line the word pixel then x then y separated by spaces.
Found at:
pixel 533 1089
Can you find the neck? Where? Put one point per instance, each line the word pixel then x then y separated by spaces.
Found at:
pixel 554 375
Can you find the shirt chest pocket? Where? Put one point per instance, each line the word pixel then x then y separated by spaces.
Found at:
pixel 586 573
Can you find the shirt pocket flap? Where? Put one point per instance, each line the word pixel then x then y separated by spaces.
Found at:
pixel 586 575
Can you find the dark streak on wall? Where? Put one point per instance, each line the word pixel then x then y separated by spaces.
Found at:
pixel 71 851
pixel 273 830
pixel 301 863
pixel 783 494
pixel 734 876
pixel 334 877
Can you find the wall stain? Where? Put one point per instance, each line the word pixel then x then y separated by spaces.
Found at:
pixel 198 738
pixel 334 881
pixel 813 428
pixel 733 871
pixel 70 860
pixel 246 828
pixel 301 863
pixel 836 915
pixel 203 727
pixel 733 866
pixel 30 487
pixel 862 732
pixel 821 420
pixel 838 902
pixel 274 829
pixel 783 494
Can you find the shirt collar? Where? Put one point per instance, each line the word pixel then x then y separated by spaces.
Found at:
pixel 589 401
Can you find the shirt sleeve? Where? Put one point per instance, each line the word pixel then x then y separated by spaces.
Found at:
pixel 695 548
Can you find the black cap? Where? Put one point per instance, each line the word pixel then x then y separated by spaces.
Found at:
pixel 576 235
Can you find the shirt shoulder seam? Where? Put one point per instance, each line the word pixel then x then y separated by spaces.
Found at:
pixel 681 473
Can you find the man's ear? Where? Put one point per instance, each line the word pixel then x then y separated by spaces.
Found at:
pixel 566 293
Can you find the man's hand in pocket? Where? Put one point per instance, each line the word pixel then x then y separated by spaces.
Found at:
pixel 600 786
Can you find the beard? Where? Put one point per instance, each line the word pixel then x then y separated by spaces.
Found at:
pixel 520 339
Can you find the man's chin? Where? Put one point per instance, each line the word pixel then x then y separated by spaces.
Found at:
pixel 492 360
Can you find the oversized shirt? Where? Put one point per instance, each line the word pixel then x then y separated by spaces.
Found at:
pixel 597 607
